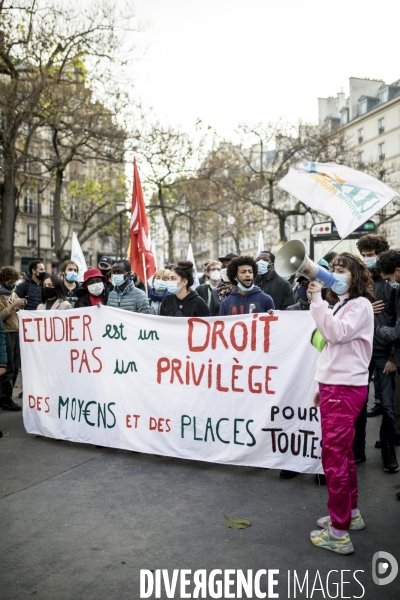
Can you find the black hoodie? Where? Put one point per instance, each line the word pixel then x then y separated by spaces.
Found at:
pixel 191 306
pixel 31 291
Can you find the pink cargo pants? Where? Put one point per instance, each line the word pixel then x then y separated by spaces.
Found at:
pixel 340 406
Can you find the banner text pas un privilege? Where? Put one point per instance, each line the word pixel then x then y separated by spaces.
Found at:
pixel 201 389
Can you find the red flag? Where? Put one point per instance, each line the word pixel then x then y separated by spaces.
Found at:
pixel 140 233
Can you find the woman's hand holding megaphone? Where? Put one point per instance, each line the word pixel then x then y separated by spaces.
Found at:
pixel 314 287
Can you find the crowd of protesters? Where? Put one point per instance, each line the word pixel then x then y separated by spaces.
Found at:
pixel 366 295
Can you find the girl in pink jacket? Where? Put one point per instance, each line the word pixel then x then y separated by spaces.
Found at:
pixel 342 375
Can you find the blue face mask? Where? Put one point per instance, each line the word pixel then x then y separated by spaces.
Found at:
pixel 159 285
pixel 370 261
pixel 244 288
pixel 71 276
pixel 173 288
pixel 394 284
pixel 263 267
pixel 302 292
pixel 340 286
pixel 118 280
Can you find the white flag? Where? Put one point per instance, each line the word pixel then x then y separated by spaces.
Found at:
pixel 78 257
pixel 260 243
pixel 348 196
pixel 191 258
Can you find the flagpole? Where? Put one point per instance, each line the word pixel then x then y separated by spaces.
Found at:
pixel 144 271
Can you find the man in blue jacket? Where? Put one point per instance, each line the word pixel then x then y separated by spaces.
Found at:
pixel 125 295
pixel 245 297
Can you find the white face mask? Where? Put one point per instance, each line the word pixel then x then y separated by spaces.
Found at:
pixel 96 289
pixel 215 274
pixel 224 276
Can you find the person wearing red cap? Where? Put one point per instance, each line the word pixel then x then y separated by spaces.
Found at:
pixel 93 290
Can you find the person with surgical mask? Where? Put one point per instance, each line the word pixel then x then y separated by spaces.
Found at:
pixel 124 294
pixel 271 283
pixel 383 366
pixel 159 290
pixel 208 291
pixel 69 278
pixel 93 290
pixel 182 300
pixel 342 376
pixel 245 297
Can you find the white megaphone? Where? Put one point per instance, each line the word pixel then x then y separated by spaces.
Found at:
pixel 292 258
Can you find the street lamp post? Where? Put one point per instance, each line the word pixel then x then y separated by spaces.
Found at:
pixel 120 207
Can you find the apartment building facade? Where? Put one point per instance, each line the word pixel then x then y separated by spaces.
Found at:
pixel 370 118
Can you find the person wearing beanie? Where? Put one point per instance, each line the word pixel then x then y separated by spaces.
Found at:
pixel 93 290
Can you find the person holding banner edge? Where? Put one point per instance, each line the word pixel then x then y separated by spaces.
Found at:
pixel 342 375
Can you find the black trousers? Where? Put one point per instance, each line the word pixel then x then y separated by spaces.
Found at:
pixel 7 381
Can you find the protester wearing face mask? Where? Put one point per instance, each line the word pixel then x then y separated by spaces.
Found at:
pixel 125 295
pixel 53 296
pixel 388 265
pixel 203 278
pixel 104 266
pixel 208 291
pixel 245 296
pixel 31 289
pixel 271 283
pixel 93 290
pixel 383 366
pixel 182 301
pixel 69 276
pixel 10 305
pixel 342 376
pixel 370 246
pixel 159 289
pixel 224 286
pixel 303 303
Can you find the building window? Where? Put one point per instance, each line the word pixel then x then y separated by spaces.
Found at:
pixel 31 235
pixel 51 204
pixel 29 205
pixel 361 135
pixel 382 151
pixel 52 238
pixel 361 157
pixel 383 96
pixel 362 107
pixel 381 124
pixel 344 116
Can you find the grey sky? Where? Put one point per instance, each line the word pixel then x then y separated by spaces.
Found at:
pixel 229 61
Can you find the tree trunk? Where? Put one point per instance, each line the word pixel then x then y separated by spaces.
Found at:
pixel 282 228
pixel 57 214
pixel 8 215
pixel 171 257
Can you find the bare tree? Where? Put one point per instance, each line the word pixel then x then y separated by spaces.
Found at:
pixel 268 153
pixel 167 159
pixel 40 43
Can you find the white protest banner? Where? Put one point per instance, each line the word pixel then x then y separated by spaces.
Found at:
pixel 201 389
pixel 190 257
pixel 348 196
pixel 78 256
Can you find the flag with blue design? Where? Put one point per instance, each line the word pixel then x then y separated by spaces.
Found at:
pixel 348 196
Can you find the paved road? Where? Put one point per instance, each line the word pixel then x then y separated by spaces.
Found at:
pixel 79 522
